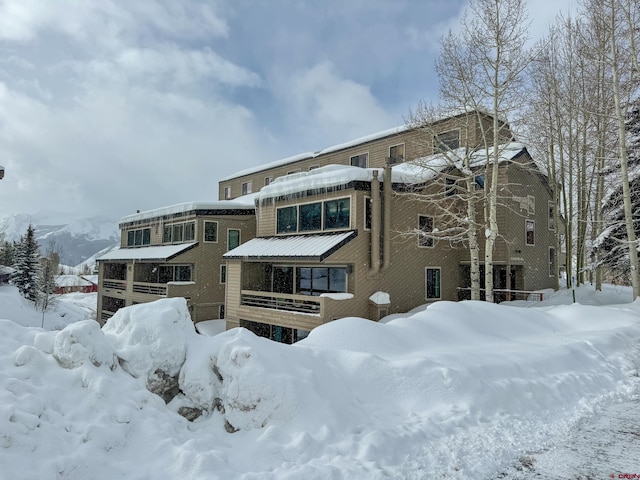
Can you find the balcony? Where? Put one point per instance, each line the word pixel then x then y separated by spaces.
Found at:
pixel 115 284
pixel 297 311
pixel 158 289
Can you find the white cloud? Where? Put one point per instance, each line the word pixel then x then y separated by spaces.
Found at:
pixel 329 106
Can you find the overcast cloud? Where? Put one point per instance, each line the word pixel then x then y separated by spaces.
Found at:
pixel 109 106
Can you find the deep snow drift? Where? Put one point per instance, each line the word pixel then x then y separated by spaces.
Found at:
pixel 455 390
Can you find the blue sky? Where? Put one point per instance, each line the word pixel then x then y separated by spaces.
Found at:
pixel 107 107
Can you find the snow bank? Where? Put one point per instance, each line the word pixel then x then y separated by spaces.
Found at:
pixel 453 390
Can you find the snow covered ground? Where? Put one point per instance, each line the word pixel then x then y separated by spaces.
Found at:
pixel 452 391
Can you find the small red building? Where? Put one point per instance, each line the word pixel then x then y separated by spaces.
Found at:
pixel 76 283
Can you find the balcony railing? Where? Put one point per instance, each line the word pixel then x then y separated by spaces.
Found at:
pixel 503 295
pixel 115 284
pixel 150 288
pixel 281 301
pixel 106 315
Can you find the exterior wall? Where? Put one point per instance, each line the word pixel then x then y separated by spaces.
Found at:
pixel 205 293
pixel 418 143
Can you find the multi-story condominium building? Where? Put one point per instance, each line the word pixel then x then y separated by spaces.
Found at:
pixel 174 251
pixel 356 229
pixel 341 241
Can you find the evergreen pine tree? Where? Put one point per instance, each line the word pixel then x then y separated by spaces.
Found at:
pixel 27 265
pixel 611 244
pixel 7 253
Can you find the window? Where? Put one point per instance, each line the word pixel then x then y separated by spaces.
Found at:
pixel 450 187
pixel 136 238
pixel 223 274
pixel 530 232
pixel 310 217
pixel 227 193
pixel 179 232
pixel 432 282
pixel 552 262
pixel 361 160
pixel 425 224
pixel 318 280
pixel 189 231
pixel 396 153
pixel 328 215
pixel 336 213
pixel 210 231
pixel 293 171
pixel 174 273
pixel 367 213
pixel 446 141
pixel 551 217
pixel 287 220
pixel 267 180
pixel 313 167
pixel 282 279
pixel 479 182
pixel 246 188
pixel 221 312
pixel 233 238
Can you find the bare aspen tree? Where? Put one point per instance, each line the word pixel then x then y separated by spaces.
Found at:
pixel 481 69
pixel 622 72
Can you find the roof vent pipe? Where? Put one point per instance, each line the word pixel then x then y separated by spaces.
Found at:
pixel 376 223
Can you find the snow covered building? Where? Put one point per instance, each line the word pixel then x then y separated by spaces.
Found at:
pixel 335 238
pixel 174 251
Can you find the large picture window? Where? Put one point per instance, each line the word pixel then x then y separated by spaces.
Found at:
pixel 328 215
pixel 432 282
pixel 139 237
pixel 179 232
pixel 174 273
pixel 337 213
pixel 287 219
pixel 318 280
pixel 310 217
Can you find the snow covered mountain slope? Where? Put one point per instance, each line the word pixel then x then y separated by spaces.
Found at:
pixel 78 239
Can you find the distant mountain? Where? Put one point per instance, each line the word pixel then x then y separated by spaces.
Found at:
pixel 78 240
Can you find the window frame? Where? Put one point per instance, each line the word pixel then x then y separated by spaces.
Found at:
pixel 229 230
pixel 227 193
pixel 268 180
pixel 426 242
pixel 552 261
pixel 528 222
pixel 366 159
pixel 368 211
pixel 223 274
pixel 394 160
pixel 437 288
pixel 204 231
pixel 246 188
pixel 324 214
pixel 551 212
pixel 443 146
pixel 323 221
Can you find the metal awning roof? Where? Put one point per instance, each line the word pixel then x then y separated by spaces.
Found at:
pixel 300 247
pixel 158 252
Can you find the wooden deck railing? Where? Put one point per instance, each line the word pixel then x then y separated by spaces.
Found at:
pixel 503 295
pixel 281 301
pixel 115 284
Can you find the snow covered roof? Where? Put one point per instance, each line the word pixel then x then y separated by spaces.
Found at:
pixel 334 148
pixel 416 171
pixel 318 246
pixel 245 202
pixel 160 252
pixel 323 177
pixel 72 281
